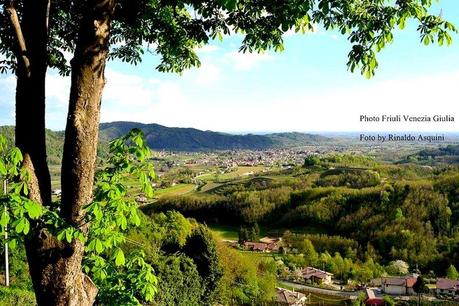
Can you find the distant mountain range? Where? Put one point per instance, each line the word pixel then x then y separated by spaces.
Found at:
pixel 188 139
pixel 180 139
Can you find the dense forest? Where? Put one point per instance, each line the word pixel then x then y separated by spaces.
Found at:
pixel 351 205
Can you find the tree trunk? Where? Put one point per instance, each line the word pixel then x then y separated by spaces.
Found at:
pixel 55 266
pixel 30 99
pixel 31 56
pixel 48 258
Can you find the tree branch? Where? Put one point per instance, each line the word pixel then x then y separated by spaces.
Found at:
pixel 48 7
pixel 11 9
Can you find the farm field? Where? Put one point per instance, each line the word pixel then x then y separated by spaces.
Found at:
pixel 224 232
pixel 55 172
pixel 241 172
pixel 176 190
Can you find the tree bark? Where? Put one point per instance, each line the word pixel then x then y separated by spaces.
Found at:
pixel 55 266
pixel 30 98
pixel 31 51
pixel 82 130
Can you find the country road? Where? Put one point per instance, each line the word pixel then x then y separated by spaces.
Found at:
pixel 343 294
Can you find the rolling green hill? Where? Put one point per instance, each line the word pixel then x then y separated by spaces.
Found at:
pixel 179 139
pixel 188 139
pixel 54 142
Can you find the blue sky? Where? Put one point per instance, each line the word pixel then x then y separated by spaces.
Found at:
pixel 305 88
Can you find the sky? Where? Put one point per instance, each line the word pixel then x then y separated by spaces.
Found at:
pixel 306 88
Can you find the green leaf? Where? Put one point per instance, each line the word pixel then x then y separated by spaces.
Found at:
pixel 16 156
pixel 3 170
pixel 5 219
pixel 26 227
pixel 25 189
pixel 69 235
pixel 19 228
pixel 97 212
pixel 12 243
pixel 426 40
pixel 368 74
pixel 99 246
pixel 138 140
pixel 134 219
pixel 121 220
pixel 61 235
pixel 148 189
pixel 33 209
pixel 119 257
pixel 79 235
pixel 91 245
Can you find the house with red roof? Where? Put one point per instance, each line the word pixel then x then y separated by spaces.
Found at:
pixel 266 244
pixel 448 287
pixel 314 275
pixel 256 246
pixel 372 300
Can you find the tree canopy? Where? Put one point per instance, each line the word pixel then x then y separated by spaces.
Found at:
pixel 175 29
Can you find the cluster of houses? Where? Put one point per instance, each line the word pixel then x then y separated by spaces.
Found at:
pixel 403 285
pixel 265 244
pixel 234 158
pixel 390 285
pixel 394 286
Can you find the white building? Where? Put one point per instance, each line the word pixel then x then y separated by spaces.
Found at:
pixel 398 285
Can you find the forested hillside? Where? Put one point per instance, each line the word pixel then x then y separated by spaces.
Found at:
pixel 54 143
pixel 187 139
pixel 181 139
pixel 348 204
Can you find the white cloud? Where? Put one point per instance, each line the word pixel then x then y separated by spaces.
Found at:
pixel 57 89
pixel 339 109
pixel 171 95
pixel 128 90
pixel 247 61
pixel 321 110
pixel 207 75
pixel 135 98
pixel 132 98
pixel 290 32
pixel 7 88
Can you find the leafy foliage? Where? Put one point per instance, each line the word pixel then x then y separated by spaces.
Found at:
pixel 179 282
pixel 18 211
pixel 200 247
pixel 121 278
pixel 16 296
pixel 245 281
pixel 110 215
pixel 177 28
pixel 452 273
